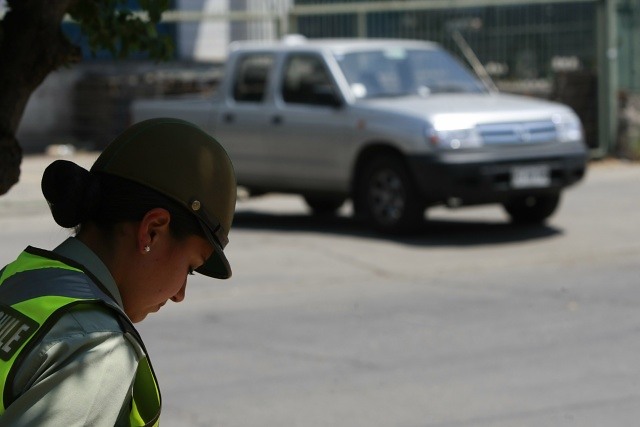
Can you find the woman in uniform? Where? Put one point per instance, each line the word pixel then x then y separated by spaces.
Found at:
pixel 155 207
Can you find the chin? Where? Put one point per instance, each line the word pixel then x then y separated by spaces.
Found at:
pixel 138 318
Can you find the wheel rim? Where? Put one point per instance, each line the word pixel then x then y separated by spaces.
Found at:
pixel 387 196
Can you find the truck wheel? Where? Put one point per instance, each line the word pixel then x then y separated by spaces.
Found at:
pixel 532 209
pixel 323 205
pixel 386 198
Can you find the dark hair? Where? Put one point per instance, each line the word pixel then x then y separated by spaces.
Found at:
pixel 76 196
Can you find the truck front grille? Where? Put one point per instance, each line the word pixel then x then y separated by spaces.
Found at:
pixel 518 133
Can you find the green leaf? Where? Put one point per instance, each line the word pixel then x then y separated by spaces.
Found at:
pixel 112 26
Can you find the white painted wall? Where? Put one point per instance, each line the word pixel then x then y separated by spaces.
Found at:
pixel 203 41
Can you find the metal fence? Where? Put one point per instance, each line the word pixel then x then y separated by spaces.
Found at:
pixel 514 39
pixel 517 41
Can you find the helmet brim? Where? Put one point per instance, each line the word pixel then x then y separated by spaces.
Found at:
pixel 217 265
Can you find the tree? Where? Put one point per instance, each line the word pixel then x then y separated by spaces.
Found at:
pixel 32 45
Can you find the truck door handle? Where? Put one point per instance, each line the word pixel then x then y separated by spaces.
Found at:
pixel 276 120
pixel 228 117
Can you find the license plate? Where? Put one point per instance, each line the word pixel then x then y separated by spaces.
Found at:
pixel 534 176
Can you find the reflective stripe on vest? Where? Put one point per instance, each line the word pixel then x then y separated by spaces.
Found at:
pixel 35 291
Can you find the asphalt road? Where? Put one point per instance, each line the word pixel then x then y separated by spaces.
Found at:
pixel 471 322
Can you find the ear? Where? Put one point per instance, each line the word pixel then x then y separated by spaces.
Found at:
pixel 153 225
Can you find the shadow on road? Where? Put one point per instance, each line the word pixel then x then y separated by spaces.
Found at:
pixel 433 232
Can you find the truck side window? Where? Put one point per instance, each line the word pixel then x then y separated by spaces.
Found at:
pixel 307 81
pixel 251 79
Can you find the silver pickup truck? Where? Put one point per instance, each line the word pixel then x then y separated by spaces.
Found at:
pixel 394 125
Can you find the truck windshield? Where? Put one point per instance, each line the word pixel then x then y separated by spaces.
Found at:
pixel 400 72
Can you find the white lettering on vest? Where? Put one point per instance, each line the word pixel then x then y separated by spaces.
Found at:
pixel 16 336
pixel 15 330
pixel 4 319
pixel 7 330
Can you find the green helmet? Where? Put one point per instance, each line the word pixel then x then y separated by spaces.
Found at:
pixel 181 161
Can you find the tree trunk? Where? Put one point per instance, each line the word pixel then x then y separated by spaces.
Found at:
pixel 31 46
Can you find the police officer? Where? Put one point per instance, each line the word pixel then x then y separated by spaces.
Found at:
pixel 156 206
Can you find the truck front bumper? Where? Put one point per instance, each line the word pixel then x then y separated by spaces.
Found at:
pixel 487 176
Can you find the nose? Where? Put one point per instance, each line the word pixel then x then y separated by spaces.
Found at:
pixel 179 297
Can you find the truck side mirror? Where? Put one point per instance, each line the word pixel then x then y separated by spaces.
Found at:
pixel 324 94
pixel 319 93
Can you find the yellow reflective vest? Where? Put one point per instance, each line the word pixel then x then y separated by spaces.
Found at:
pixel 35 291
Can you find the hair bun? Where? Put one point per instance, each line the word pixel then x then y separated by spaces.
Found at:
pixel 71 192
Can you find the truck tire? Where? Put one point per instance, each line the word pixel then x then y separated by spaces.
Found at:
pixel 532 209
pixel 386 198
pixel 323 205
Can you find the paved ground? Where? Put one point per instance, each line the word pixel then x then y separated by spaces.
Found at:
pixel 471 322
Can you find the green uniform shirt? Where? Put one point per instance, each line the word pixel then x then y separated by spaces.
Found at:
pixel 82 372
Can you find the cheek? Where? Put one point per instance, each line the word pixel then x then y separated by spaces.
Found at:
pixel 162 279
pixel 170 278
pixel 170 272
pixel 167 284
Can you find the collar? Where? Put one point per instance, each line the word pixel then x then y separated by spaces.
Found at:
pixel 77 251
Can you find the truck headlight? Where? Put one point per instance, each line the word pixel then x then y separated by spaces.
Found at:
pixel 568 127
pixel 453 139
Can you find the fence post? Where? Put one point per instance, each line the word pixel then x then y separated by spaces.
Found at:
pixel 607 76
pixel 292 19
pixel 362 24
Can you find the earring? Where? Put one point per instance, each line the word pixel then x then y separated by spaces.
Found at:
pixel 147 249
